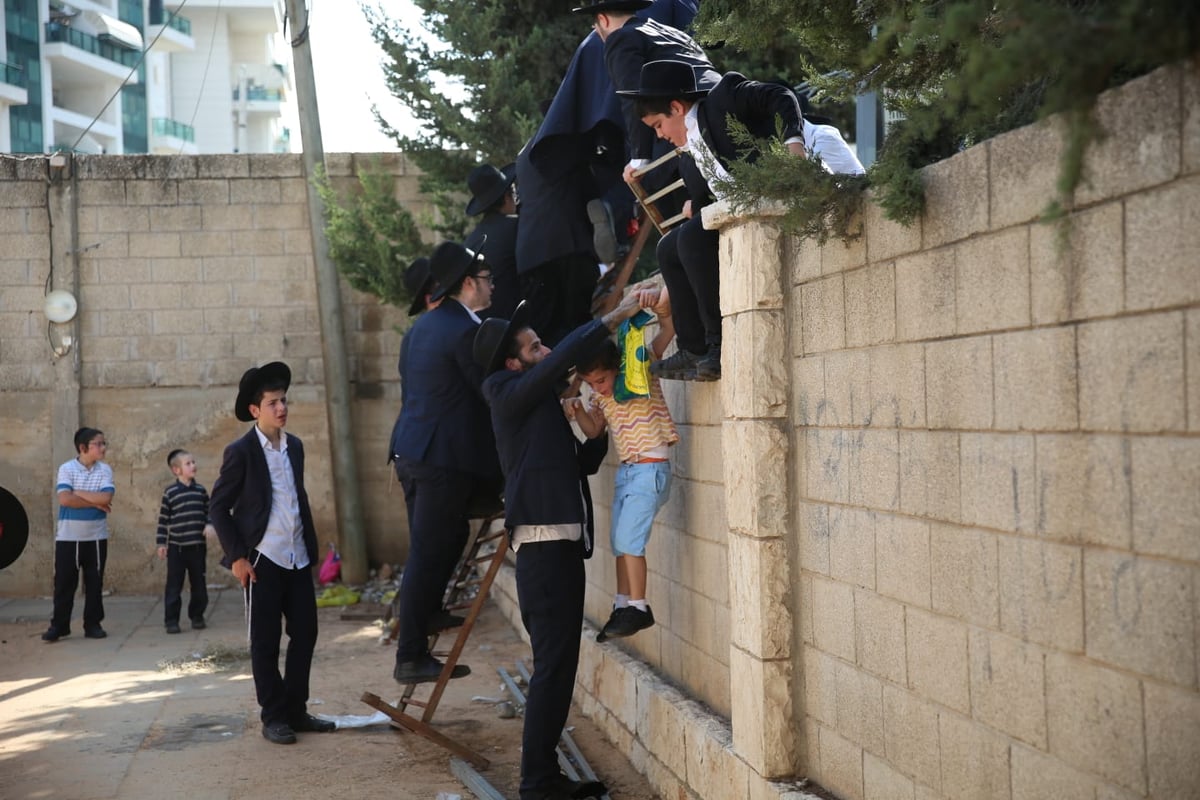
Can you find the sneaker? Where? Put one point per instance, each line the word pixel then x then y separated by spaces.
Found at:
pixel 604 632
pixel 630 621
pixel 173 627
pixel 708 366
pixel 604 235
pixel 679 367
pixel 198 624
pixel 53 634
pixel 94 632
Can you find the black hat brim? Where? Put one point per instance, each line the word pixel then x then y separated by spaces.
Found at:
pixel 489 354
pixel 444 286
pixel 655 93
pixel 274 373
pixel 482 202
pixel 418 301
pixel 613 5
pixel 14 528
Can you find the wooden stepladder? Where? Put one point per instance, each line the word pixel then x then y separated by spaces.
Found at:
pixel 476 570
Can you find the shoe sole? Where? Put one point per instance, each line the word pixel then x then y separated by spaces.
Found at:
pixel 460 671
pixel 604 239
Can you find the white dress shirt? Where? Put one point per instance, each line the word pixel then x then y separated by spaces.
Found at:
pixel 283 542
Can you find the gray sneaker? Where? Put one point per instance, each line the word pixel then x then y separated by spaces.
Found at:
pixel 679 367
pixel 708 366
pixel 604 234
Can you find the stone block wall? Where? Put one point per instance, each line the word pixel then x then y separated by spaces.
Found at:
pixel 189 270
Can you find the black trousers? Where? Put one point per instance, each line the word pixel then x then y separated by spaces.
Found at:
pixel 276 596
pixel 550 580
pixel 190 562
pixel 436 498
pixel 559 294
pixel 71 559
pixel 689 259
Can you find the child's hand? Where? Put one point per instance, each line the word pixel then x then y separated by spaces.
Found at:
pixel 571 405
pixel 656 299
pixel 162 552
pixel 210 533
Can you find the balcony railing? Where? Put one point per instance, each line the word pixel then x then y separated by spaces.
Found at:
pixel 260 93
pixel 56 32
pixel 172 20
pixel 12 74
pixel 169 127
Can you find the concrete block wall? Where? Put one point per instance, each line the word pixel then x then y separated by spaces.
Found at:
pixel 190 270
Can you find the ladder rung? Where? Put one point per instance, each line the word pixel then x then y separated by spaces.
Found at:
pixel 664 191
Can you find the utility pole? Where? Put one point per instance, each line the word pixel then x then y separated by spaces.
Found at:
pixel 329 306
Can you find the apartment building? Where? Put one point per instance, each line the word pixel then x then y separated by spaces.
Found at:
pixel 144 76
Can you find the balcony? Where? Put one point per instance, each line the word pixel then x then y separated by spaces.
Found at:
pixel 259 100
pixel 168 136
pixel 12 85
pixel 170 33
pixel 80 58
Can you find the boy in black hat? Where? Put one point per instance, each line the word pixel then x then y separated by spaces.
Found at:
pixel 495 237
pixel 260 511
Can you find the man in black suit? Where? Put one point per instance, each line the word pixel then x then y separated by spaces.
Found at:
pixel 495 237
pixel 547 511
pixel 444 450
pixel 260 510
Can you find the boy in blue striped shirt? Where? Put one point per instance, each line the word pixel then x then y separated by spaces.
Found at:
pixel 182 524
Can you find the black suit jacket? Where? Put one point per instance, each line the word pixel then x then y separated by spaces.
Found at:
pixel 240 505
pixel 499 249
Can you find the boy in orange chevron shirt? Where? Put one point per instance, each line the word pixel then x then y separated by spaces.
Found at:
pixel 643 432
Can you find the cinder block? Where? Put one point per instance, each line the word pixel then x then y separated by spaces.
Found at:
pixel 227 268
pixel 1140 615
pixel 1162 236
pixel 26 245
pixel 181 320
pixel 841 765
pixel 1136 151
pixel 1036 382
pixel 103 297
pixel 229 320
pixel 155 348
pixel 295 190
pixel 911 732
pixel 808 390
pixel 26 350
pixel 871 305
pixel 874 466
pixel 270 266
pixel 1038 776
pixel 937 659
pixel 265 191
pixel 265 243
pixel 929 482
pixel 826 464
pixel 275 165
pixel 120 270
pixel 1172 740
pixel 227 217
pixel 208 193
pixel 1166 497
pixel 847 388
pixel 123 218
pixel 897 386
pixel 879 642
pixel 965 573
pixel 852 546
pixel 1084 489
pixel 762 715
pixel 752 279
pixel 885 238
pixel 756 490
pixel 126 373
pixel 925 299
pixel 1079 274
pixel 91 193
pixel 823 310
pixel 902 559
pixel 992 274
pixel 820 686
pixel 958 383
pixel 1041 592
pixel 882 782
pixel 759 575
pixel 206 245
pixel 155 245
pixel 126 323
pixel 814 537
pixel 997 481
pixel 833 617
pixel 1008 686
pixel 755 387
pixel 860 707
pixel 975 761
pixel 152 193
pixel 956 197
pixel 180 270
pixel 1024 172
pixel 1090 712
pixel 206 346
pixel 1193 370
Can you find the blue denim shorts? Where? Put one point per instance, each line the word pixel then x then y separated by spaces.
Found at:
pixel 640 491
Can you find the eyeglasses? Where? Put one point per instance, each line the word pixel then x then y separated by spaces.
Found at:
pixel 485 276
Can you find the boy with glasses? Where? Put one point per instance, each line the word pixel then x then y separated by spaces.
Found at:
pixel 85 490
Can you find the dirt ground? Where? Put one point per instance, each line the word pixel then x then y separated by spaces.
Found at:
pixel 144 715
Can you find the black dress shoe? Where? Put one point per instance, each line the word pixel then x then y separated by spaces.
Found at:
pixel 629 621
pixel 278 733
pixel 310 724
pixel 53 634
pixel 425 670
pixel 198 624
pixel 444 621
pixel 94 632
pixel 173 627
pixel 563 788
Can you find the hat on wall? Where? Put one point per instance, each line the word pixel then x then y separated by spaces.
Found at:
pixel 600 6
pixel 418 282
pixel 493 337
pixel 253 380
pixel 14 528
pixel 667 78
pixel 449 264
pixel 488 185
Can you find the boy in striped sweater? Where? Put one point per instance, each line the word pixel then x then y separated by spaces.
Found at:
pixel 182 525
pixel 643 433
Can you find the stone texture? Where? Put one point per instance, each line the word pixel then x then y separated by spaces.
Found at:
pixel 1079 272
pixel 1041 592
pixel 974 760
pixel 929 480
pixel 1090 714
pixel 852 546
pixel 887 239
pixel 897 386
pixel 1172 740
pixel 958 383
pixel 823 315
pixel 925 296
pixel 661 724
pixel 1192 367
pixel 1024 172
pixel 1037 776
pixel 859 707
pixel 997 481
pixel 826 467
pixel 754 386
pixel 937 659
pixel 759 577
pixel 1036 383
pixel 752 278
pixel 872 463
pixel 713 766
pixel 1141 615
pixel 841 765
pixel 902 559
pixel 1166 497
pixel 992 282
pixel 1162 237
pixel 762 714
pixel 756 490
pixel 956 197
pixel 965 573
pixel 833 618
pixel 820 686
pixel 883 782
pixel 847 389
pixel 808 390
pixel 1084 489
pixel 1008 688
pixel 839 256
pixel 814 536
pixel 879 637
pixel 871 305
pixel 911 735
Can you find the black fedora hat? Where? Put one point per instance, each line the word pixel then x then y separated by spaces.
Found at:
pixel 667 78
pixel 493 336
pixel 14 528
pixel 449 264
pixel 600 6
pixel 488 185
pixel 418 282
pixel 253 379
